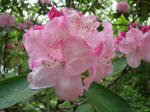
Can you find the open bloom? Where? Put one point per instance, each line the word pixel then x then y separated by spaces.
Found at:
pixel 7 20
pixel 136 46
pixel 61 50
pixel 122 7
pixel 57 59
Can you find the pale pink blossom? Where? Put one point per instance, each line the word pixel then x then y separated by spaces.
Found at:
pixel 53 13
pixel 7 20
pixel 57 59
pixel 45 2
pixel 136 46
pixel 122 7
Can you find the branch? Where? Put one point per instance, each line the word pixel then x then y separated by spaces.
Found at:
pixel 74 107
pixel 119 76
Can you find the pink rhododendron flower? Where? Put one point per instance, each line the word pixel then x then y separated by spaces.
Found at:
pixel 9 46
pixel 57 58
pixel 136 46
pixel 53 13
pixel 61 50
pixel 7 20
pixel 45 2
pixel 122 7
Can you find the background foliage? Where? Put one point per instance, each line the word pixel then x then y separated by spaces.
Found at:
pixel 131 84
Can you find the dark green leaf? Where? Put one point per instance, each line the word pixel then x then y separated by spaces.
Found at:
pixel 85 108
pixel 106 101
pixel 14 90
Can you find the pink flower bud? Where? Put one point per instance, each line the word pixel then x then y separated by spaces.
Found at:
pixel 53 13
pixel 122 7
pixel 9 46
pixel 7 20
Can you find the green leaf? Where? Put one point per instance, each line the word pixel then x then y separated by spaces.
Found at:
pixel 85 108
pixel 106 101
pixel 119 65
pixel 14 90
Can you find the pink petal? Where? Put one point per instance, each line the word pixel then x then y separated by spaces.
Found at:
pixel 103 68
pixel 98 71
pixel 145 47
pixel 88 81
pixel 134 59
pixel 43 77
pixel 69 87
pixel 53 13
pixel 134 36
pixel 78 55
pixel 33 43
pixel 126 46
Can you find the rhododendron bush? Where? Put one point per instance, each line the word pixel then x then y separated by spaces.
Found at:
pixel 74 56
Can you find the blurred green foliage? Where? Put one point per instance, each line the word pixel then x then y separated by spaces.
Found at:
pixel 132 84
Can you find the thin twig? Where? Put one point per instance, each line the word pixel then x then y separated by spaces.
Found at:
pixel 119 76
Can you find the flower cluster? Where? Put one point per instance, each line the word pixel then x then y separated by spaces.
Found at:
pixel 25 25
pixel 122 7
pixel 64 48
pixel 135 44
pixel 6 20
